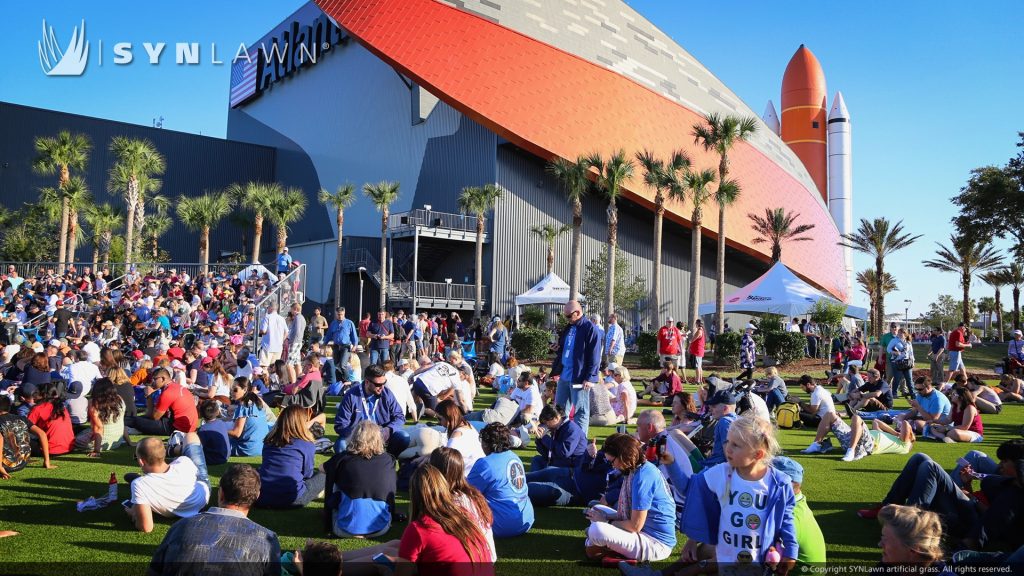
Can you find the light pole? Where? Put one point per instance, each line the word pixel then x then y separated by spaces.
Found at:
pixel 361 270
pixel 448 289
pixel 906 314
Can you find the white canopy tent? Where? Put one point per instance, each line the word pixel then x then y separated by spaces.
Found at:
pixel 550 290
pixel 777 291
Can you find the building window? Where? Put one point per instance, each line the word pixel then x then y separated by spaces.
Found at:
pixel 814 124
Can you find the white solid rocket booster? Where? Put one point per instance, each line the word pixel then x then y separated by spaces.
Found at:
pixel 771 118
pixel 840 177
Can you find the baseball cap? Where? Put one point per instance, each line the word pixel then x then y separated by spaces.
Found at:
pixel 37 347
pixel 75 389
pixel 1018 333
pixel 54 342
pixel 722 397
pixel 236 339
pixel 670 319
pixel 206 361
pixel 27 390
pixel 177 365
pixel 137 354
pixel 213 353
pixel 60 302
pixel 257 371
pixel 790 468
pixel 611 367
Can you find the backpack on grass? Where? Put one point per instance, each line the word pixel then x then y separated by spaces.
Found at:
pixel 787 416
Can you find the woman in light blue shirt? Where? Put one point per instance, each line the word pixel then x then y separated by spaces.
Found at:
pixel 250 419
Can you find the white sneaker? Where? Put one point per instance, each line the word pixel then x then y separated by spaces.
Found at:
pixel 859 455
pixel 826 446
pixel 814 448
pixel 850 455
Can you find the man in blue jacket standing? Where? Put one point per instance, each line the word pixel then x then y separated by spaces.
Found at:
pixel 372 401
pixel 342 336
pixel 577 363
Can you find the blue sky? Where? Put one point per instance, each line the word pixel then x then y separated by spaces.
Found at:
pixel 934 88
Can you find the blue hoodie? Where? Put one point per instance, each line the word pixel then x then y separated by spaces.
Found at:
pixel 721 433
pixel 356 405
pixel 565 446
pixel 703 510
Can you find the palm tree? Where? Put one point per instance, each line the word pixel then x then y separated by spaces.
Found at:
pixel 155 226
pixel 78 199
pixel 656 176
pixel 383 195
pixel 204 213
pixel 611 177
pixel 697 184
pixel 286 207
pixel 549 233
pixel 341 199
pixel 874 289
pixel 721 133
pixel 967 257
pixel 573 176
pixel 259 198
pixel 986 306
pixel 878 238
pixel 134 175
pixel 479 200
pixel 994 278
pixel 103 220
pixel 1013 275
pixel 776 226
pixel 61 154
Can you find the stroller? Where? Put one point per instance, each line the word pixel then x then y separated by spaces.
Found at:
pixel 704 439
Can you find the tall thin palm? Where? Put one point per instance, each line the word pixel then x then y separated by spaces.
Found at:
pixel 721 133
pixel 1013 275
pixel 994 278
pixel 203 214
pixel 778 226
pixel 479 200
pixel 340 199
pixel 103 220
pixel 878 238
pixel 134 176
pixel 612 175
pixel 61 154
pixel 967 257
pixel 383 195
pixel 258 197
pixel 697 185
pixel 656 176
pixel 78 199
pixel 287 206
pixel 574 178
pixel 549 233
pixel 155 226
pixel 874 289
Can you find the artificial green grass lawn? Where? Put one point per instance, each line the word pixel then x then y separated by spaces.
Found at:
pixel 41 504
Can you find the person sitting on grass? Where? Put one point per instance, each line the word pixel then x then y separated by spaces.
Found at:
pixel 179 489
pixel 501 478
pixel 324 559
pixel 809 538
pixel 911 538
pixel 723 408
pixel 250 426
pixel 975 519
pixel 106 418
pixel 814 411
pixel 371 400
pixel 965 420
pixel 743 486
pixel 623 395
pixel 288 474
pixel 875 394
pixel 15 441
pixel 223 535
pixel 773 388
pixel 927 407
pixel 462 436
pixel 1010 388
pixel 662 387
pixel 684 413
pixel 554 486
pixel 560 442
pixel 361 484
pixel 213 434
pixel 643 526
pixel 472 501
pixel 52 416
pixel 985 398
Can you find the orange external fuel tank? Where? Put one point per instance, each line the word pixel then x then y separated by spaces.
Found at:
pixel 804 114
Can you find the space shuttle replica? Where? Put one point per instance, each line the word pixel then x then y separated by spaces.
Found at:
pixel 820 140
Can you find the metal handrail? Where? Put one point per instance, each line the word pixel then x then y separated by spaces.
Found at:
pixel 31 269
pixel 433 219
pixel 443 290
pixel 289 290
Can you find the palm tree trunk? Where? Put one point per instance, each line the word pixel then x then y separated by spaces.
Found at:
pixel 72 234
pixel 659 220
pixel 479 272
pixel 204 249
pixel 140 222
pixel 695 272
pixel 337 261
pixel 577 250
pixel 282 238
pixel 776 252
pixel 383 258
pixel 966 306
pixel 999 316
pixel 108 238
pixel 551 256
pixel 64 216
pixel 1016 307
pixel 880 305
pixel 95 252
pixel 257 235
pixel 129 236
pixel 720 271
pixel 613 238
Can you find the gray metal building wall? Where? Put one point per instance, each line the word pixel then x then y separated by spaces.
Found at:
pixel 520 258
pixel 194 164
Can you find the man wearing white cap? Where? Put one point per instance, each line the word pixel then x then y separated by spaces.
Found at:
pixel 1015 352
pixel 284 261
pixel 670 345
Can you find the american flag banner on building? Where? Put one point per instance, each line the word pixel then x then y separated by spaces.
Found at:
pixel 243 77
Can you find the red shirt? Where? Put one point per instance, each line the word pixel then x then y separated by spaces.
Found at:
pixel 957 418
pixel 179 401
pixel 697 345
pixel 364 325
pixel 669 340
pixel 438 553
pixel 59 434
pixel 956 341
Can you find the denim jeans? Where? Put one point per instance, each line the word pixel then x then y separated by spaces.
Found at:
pixel 568 397
pixel 979 461
pixel 901 379
pixel 773 398
pixel 552 486
pixel 925 484
pixel 379 356
pixel 194 452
